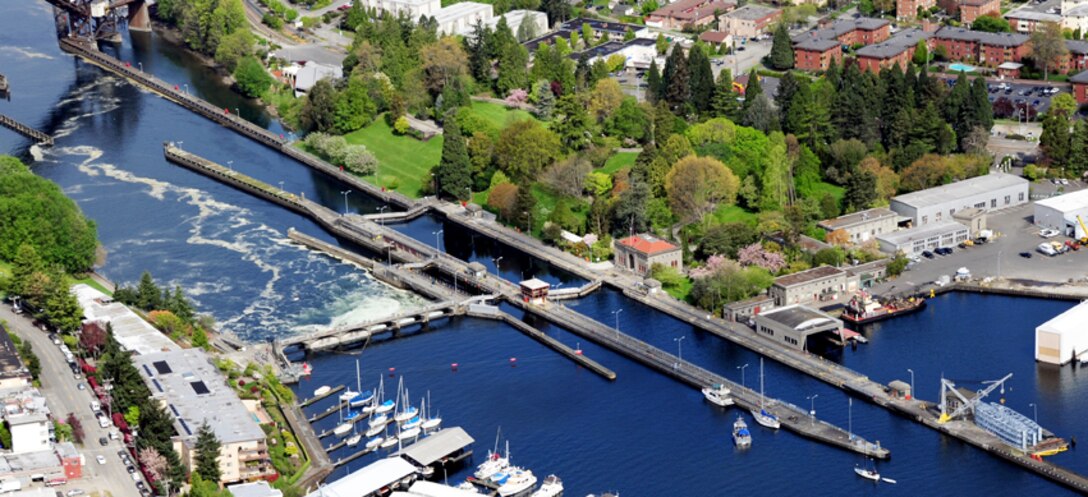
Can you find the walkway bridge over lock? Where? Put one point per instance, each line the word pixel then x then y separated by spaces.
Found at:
pixel 341 336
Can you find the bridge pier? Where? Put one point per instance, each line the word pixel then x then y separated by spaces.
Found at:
pixel 139 17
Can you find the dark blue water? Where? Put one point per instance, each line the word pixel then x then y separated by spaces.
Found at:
pixel 642 434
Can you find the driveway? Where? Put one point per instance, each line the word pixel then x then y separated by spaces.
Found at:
pixel 63 397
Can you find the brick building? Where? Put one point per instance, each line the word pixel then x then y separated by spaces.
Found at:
pixel 816 54
pixel 895 50
pixel 749 21
pixel 637 253
pixel 973 9
pixel 684 13
pixel 1080 87
pixel 989 49
pixel 908 9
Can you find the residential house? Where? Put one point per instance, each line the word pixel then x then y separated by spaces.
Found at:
pixel 908 9
pixel 816 54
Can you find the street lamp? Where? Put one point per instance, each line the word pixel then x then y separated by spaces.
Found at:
pixel 141 66
pixel 679 351
pixel 913 394
pixel 528 222
pixel 381 210
pixel 812 408
pixel 617 314
pixel 238 112
pixel 281 186
pixel 741 368
pixel 497 260
pixel 186 85
pixel 230 165
pixel 1034 412
pixel 345 193
pixel 436 239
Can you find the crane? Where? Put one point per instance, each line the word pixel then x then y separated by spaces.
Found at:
pixel 1083 230
pixel 948 386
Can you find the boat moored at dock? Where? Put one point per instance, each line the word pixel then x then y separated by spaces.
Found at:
pixel 864 308
pixel 718 395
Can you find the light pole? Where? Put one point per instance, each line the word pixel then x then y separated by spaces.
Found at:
pixel 742 368
pixel 436 239
pixel 238 112
pixel 679 351
pixel 812 408
pixel 617 314
pixel 141 66
pixel 186 85
pixel 1034 412
pixel 345 193
pixel 179 145
pixel 230 165
pixel 912 393
pixel 381 210
pixel 281 186
pixel 528 222
pixel 498 269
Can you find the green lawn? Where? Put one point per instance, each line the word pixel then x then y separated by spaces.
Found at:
pixel 498 115
pixel 618 161
pixel 680 292
pixel 402 160
pixel 545 205
pixel 822 188
pixel 731 214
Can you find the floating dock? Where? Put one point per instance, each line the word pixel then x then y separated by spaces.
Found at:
pixel 311 400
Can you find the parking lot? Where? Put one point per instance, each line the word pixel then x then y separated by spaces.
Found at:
pixel 1019 93
pixel 1001 257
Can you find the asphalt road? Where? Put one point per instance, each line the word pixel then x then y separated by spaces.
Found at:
pixel 63 397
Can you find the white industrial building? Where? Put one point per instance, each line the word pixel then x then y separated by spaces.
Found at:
pixel 459 18
pixel 1059 340
pixel 1061 213
pixel 916 240
pixel 132 332
pixel 515 18
pixel 939 204
pixel 413 8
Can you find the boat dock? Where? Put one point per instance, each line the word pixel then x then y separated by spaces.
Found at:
pixel 327 412
pixel 342 336
pixel 311 400
pixel 18 127
pixel 574 292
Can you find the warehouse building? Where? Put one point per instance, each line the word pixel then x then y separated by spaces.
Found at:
pixel 940 204
pixel 1061 213
pixel 818 284
pixel 795 324
pixel 863 226
pixel 1063 338
pixel 916 240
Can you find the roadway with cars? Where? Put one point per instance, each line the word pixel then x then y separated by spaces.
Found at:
pixel 59 386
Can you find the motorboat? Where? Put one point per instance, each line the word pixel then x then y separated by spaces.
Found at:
pixel 467 486
pixel 354 439
pixel 373 443
pixel 552 487
pixel 742 438
pixel 520 482
pixel 322 390
pixel 718 395
pixel 378 420
pixel 495 463
pixel 342 429
pixel 409 434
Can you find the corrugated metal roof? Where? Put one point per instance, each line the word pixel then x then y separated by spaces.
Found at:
pixel 433 448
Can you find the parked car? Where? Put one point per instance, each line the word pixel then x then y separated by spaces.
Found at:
pixel 1049 233
pixel 100 458
pixel 103 441
pixel 943 251
pixel 81 386
pixel 927 254
pixel 1026 255
pixel 74 492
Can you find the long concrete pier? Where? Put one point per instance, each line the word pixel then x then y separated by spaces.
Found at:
pixel 403 248
pixel 27 131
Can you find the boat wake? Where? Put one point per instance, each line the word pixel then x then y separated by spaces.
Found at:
pixel 26 52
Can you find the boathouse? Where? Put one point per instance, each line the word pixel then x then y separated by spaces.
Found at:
pixel 794 324
pixel 443 448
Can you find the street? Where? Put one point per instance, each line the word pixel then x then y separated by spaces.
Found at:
pixel 63 397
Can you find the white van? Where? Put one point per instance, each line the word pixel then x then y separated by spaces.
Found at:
pixel 95 406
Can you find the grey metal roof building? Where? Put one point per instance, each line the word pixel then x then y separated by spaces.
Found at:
pixel 919 239
pixel 751 12
pixel 987 192
pixel 841 27
pixel 437 447
pixel 983 37
pixel 794 325
pixel 816 44
pixel 903 40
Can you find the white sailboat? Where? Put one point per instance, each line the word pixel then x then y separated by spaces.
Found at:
pixel 430 424
pixel 361 398
pixel 373 443
pixel 761 415
pixel 494 464
pixel 385 406
pixel 868 473
pixel 354 439
pixel 408 411
pixel 345 426
pixel 322 390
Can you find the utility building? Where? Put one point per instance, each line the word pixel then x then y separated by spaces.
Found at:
pixel 1061 213
pixel 794 324
pixel 639 252
pixel 939 204
pixel 1063 338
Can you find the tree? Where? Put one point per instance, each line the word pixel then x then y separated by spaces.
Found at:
pixel 629 210
pixel 524 207
pixel 655 88
pixel 781 56
pixel 454 170
pixel 524 148
pixel 991 22
pixel 1063 104
pixel 860 191
pixel 605 99
pixel 148 294
pixel 662 44
pixel 479 56
pixel 702 79
pixel 319 110
pixel 442 62
pixel 354 109
pixel 839 238
pixel 1056 140
pixel 829 257
pixel 629 121
pixel 251 77
pixel 758 255
pixel 897 265
pixel 207 453
pixel 77 428
pixel 776 178
pixel 502 199
pixel 132 415
pixel 571 122
pixel 695 185
pixel 557 10
pixel 61 308
pixel 761 114
pixel 154 463
pixel 92 338
pixel 513 60
pixel 233 48
pixel 676 79
pixel 1048 46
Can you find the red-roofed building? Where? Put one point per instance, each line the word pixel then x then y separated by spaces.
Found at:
pixel 637 253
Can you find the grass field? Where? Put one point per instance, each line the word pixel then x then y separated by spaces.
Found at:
pixel 820 189
pixel 498 115
pixel 402 160
pixel 618 161
pixel 732 214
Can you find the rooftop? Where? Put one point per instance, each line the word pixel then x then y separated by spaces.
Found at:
pixel 903 40
pixel 133 333
pixel 1067 202
pixel 313 72
pixel 1080 77
pixel 1071 321
pixel 599 26
pixel 194 392
pixel 758 299
pixel 714 36
pixel 816 273
pixel 10 364
pixel 459 10
pixel 921 232
pixel 753 12
pixel 368 480
pixel 1078 47
pixel 850 220
pixel 816 44
pixel 430 489
pixel 961 189
pixel 994 39
pixel 648 244
pixel 433 448
pixel 254 489
pixel 797 316
pixel 535 284
pixel 841 27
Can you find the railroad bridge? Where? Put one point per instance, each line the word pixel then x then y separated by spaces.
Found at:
pixel 91 20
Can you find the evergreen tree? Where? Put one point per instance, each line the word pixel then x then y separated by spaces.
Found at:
pixel 807 118
pixel 702 79
pixel 775 175
pixel 148 294
pixel 751 91
pixel 582 73
pixel 677 78
pixel 26 264
pixel 860 191
pixel 571 122
pixel 61 308
pixel 788 86
pixel 512 69
pixel 629 210
pixel 524 205
pixel 1056 140
pixel 1078 150
pixel 781 57
pixel 726 100
pixel 655 90
pixel 761 114
pixel 479 59
pixel 557 10
pixel 454 170
pixel 663 122
pixel 319 110
pixel 207 453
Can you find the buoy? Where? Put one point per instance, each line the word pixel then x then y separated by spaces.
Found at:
pixel 454 366
pixel 513 361
pixel 392 371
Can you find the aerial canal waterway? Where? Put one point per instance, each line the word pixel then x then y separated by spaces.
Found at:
pixel 643 434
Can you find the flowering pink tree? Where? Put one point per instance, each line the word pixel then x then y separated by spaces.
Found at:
pixel 517 96
pixel 714 265
pixel 756 255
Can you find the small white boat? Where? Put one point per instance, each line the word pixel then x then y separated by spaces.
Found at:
pixel 430 424
pixel 412 423
pixel 389 442
pixel 378 420
pixel 373 443
pixel 362 399
pixel 347 395
pixel 467 486
pixel 766 419
pixel 375 431
pixel 342 429
pixel 861 339
pixel 405 415
pixel 869 474
pixel 494 464
pixel 409 434
pixel 322 390
pixel 385 407
pixel 519 483
pixel 718 395
pixel 354 439
pixel 552 487
pixel 742 438
pixel 427 471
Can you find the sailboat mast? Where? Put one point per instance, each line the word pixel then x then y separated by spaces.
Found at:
pixel 761 383
pixel 358 379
